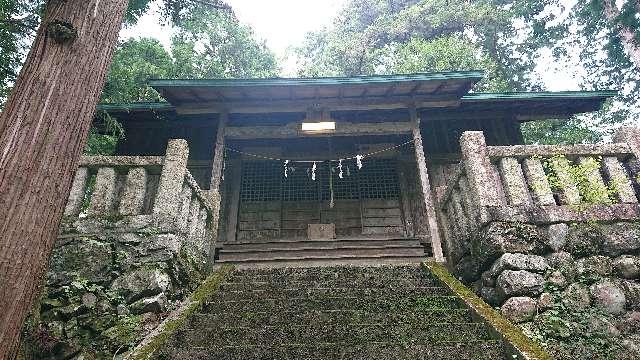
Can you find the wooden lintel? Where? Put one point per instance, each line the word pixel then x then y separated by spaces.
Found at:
pixel 334 104
pixel 293 130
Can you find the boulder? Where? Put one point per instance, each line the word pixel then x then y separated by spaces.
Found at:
pixel 141 283
pixel 631 291
pixel 89 300
pixel 155 304
pixel 488 279
pixel 584 240
pixel 159 248
pixel 621 238
pixel 84 258
pixel 533 263
pixel 627 266
pixel 556 236
pixel 468 269
pixel 518 283
pixel 594 267
pixel 631 346
pixel 608 297
pixel 576 296
pixel 557 280
pixel 560 260
pixel 489 295
pixel 501 237
pixel 545 301
pixel 630 323
pixel 519 309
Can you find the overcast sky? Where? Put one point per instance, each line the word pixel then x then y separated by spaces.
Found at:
pixel 284 23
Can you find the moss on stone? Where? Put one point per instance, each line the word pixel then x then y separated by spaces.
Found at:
pixel 511 333
pixel 204 292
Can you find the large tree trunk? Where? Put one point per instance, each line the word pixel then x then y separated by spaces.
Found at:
pixel 42 133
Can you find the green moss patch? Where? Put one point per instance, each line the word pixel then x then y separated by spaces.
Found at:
pixel 510 333
pixel 203 293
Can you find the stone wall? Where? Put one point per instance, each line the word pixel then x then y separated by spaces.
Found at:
pixel 550 234
pixel 119 265
pixel 575 287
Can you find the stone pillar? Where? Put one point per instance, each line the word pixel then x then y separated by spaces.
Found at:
pixel 539 183
pixel 76 196
pixel 429 202
pixel 168 201
pixel 104 193
pixel 477 165
pixel 514 183
pixel 631 136
pixel 618 175
pixel 217 170
pixel 135 190
pixel 218 154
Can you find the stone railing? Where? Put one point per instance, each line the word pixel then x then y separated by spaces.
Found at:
pixel 538 184
pixel 138 235
pixel 157 186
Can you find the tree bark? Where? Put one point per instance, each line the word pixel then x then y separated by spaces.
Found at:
pixel 42 134
pixel 627 35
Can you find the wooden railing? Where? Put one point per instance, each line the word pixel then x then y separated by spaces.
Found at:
pixel 540 184
pixel 157 186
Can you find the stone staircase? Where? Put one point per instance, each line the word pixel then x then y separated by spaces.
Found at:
pixel 342 312
pixel 325 252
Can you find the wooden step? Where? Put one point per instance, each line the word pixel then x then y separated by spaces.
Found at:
pixel 318 245
pixel 333 253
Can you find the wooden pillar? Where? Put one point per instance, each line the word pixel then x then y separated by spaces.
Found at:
pixel 218 155
pixel 426 188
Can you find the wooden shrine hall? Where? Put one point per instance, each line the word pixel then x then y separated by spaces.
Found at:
pixel 331 169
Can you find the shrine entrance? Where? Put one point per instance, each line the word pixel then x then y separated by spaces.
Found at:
pixel 360 202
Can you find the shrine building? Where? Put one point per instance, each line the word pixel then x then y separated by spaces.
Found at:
pixel 328 169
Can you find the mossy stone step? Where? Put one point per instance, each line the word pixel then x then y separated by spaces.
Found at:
pixel 351 273
pixel 385 304
pixel 312 293
pixel 263 318
pixel 343 333
pixel 370 283
pixel 474 350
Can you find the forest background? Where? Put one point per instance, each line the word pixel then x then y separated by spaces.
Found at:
pixel 508 39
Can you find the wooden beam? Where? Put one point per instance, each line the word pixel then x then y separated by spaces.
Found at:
pixel 429 203
pixel 301 105
pixel 292 130
pixel 218 154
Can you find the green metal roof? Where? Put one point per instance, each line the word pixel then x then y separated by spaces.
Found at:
pixel 373 79
pixel 540 95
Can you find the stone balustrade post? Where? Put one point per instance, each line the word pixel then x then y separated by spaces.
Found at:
pixel 104 193
pixel 76 195
pixel 135 189
pixel 631 136
pixel 167 206
pixel 480 172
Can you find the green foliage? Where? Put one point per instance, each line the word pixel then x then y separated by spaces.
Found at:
pixel 207 45
pixel 567 330
pixel 595 31
pixel 19 21
pixel 215 45
pixel 104 142
pixel 560 131
pixel 135 62
pixel 375 36
pixel 562 173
